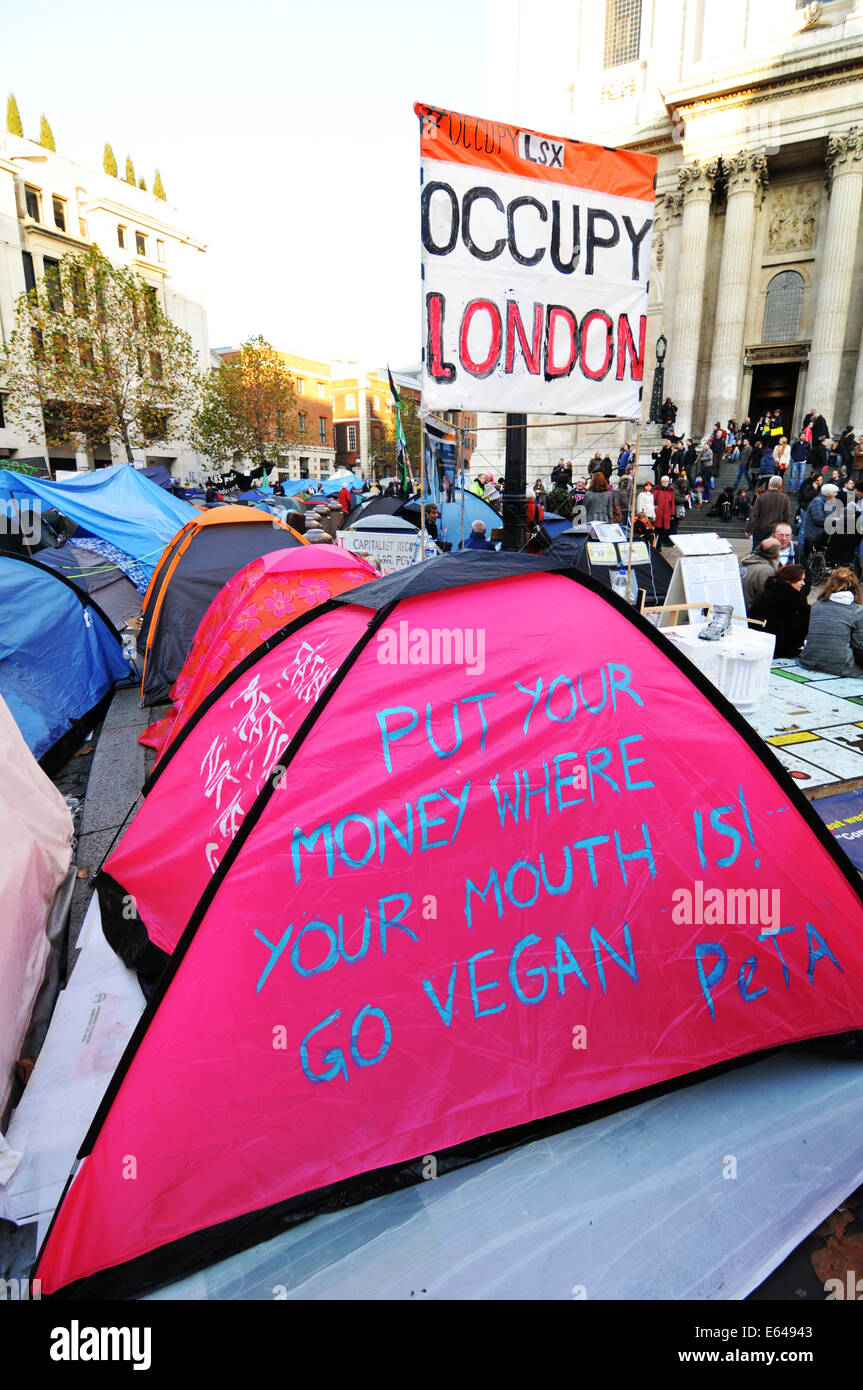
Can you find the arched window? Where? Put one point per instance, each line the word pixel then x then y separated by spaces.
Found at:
pixel 782 310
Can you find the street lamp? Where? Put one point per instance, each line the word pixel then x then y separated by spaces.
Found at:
pixel 655 416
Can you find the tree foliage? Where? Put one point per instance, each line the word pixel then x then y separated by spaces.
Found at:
pixel 93 358
pixel 385 454
pixel 46 135
pixel 109 161
pixel 130 170
pixel 158 190
pixel 142 184
pixel 249 409
pixel 13 119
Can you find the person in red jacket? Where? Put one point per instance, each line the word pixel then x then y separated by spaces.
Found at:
pixel 345 499
pixel 665 502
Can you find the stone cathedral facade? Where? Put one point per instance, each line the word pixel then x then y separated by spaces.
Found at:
pixel 755 113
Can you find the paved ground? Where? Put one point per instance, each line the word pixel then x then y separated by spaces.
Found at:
pixel 109 778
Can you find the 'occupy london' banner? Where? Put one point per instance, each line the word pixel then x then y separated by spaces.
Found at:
pixel 535 259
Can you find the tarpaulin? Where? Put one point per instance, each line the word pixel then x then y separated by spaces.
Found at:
pixel 116 504
pixel 553 867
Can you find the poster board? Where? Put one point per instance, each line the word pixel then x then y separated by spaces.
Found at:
pixel 704 579
pixel 535 265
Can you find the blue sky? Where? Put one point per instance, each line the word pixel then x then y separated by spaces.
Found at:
pixel 284 132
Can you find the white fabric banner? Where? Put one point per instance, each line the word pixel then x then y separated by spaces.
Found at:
pixel 536 258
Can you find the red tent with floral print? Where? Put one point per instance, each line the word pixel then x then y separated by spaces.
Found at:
pixel 269 592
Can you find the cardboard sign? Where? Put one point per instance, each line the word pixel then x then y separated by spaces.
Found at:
pixel 390 551
pixel 535 257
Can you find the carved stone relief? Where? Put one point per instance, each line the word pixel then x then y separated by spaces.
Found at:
pixel 791 219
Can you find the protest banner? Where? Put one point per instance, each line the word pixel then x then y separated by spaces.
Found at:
pixel 535 262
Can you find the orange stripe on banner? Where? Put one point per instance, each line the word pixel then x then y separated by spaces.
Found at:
pixel 508 149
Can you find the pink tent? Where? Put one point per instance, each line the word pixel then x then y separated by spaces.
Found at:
pixel 468 849
pixel 254 604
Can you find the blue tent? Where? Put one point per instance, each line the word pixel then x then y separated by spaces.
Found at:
pixel 475 509
pixel 60 658
pixel 333 486
pixel 116 504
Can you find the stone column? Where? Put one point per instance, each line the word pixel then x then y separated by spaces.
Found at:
pixel 836 272
pixel 746 174
pixel 696 183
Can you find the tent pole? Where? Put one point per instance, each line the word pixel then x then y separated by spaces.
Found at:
pixel 461 433
pixel 632 490
pixel 422 491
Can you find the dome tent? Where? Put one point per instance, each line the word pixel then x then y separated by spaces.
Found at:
pixel 60 658
pixel 94 574
pixel 255 603
pixel 37 852
pixel 499 856
pixel 202 557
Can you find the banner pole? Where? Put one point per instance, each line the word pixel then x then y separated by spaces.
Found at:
pixel 422 490
pixel 461 433
pixel 632 490
pixel 515 480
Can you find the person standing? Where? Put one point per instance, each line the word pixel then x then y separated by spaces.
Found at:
pixel 644 504
pixel 799 459
pixel 743 465
pixel 623 495
pixel 704 467
pixel 771 507
pixel 599 499
pixel 845 448
pixel 782 457
pixel 664 504
pixel 818 425
pixel 689 460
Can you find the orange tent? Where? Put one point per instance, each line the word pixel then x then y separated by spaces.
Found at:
pixel 204 555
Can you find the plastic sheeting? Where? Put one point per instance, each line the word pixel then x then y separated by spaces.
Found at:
pixel 117 504
pixel 631 1206
pixel 94 1019
pixel 35 854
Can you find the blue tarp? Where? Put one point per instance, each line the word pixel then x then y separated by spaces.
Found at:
pixel 116 504
pixel 159 475
pixel 57 656
pixel 333 486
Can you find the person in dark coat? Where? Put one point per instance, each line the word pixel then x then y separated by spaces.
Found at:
pixel 783 606
pixel 477 539
pixel 820 432
pixel 665 502
pixel 845 448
